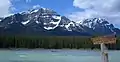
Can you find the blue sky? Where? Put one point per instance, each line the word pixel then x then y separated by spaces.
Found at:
pixel 75 10
pixel 60 6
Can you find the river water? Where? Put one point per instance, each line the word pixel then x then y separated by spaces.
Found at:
pixel 56 56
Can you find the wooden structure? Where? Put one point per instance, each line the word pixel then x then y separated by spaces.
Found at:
pixel 102 40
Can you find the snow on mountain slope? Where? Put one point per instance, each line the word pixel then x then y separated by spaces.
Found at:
pixel 54 23
pixel 37 22
pixel 44 19
pixel 33 11
pixel 11 22
pixel 1 19
pixel 98 25
pixel 95 22
pixel 92 22
pixel 56 17
pixel 24 23
pixel 68 25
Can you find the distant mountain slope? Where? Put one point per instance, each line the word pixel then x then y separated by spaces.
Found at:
pixel 44 21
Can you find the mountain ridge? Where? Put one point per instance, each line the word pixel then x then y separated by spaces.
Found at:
pixel 48 22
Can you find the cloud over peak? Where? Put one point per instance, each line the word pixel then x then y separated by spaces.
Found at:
pixel 5 6
pixel 109 9
pixel 36 6
pixel 98 5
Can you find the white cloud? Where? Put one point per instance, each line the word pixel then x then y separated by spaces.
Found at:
pixel 12 9
pixel 109 9
pixel 27 1
pixel 5 6
pixel 36 6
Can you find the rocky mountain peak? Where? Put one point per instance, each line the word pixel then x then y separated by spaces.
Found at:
pixel 43 19
pixel 96 22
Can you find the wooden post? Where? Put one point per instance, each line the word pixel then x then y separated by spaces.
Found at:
pixel 104 54
pixel 102 40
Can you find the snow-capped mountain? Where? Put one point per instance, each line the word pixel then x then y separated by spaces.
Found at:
pixel 1 19
pixel 99 25
pixel 45 21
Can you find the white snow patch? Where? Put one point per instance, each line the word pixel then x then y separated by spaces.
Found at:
pixel 95 20
pixel 61 25
pixel 10 22
pixel 37 22
pixel 24 23
pixel 71 23
pixel 44 23
pixel 90 24
pixel 56 17
pixel 107 24
pixel 79 22
pixel 44 8
pixel 8 15
pixel 46 16
pixel 36 16
pixel 34 11
pixel 99 18
pixel 79 25
pixel 0 20
pixel 111 29
pixel 69 30
pixel 56 24
pixel 25 12
pixel 48 28
pixel 67 26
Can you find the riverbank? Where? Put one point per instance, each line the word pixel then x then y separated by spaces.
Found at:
pixel 52 50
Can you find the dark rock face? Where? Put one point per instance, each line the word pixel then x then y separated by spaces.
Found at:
pixel 44 21
pixel 100 26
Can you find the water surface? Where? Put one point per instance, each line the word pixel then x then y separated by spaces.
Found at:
pixel 55 56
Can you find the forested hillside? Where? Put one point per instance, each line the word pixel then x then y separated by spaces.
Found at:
pixel 51 42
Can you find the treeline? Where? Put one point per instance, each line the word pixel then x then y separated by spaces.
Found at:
pixel 51 42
